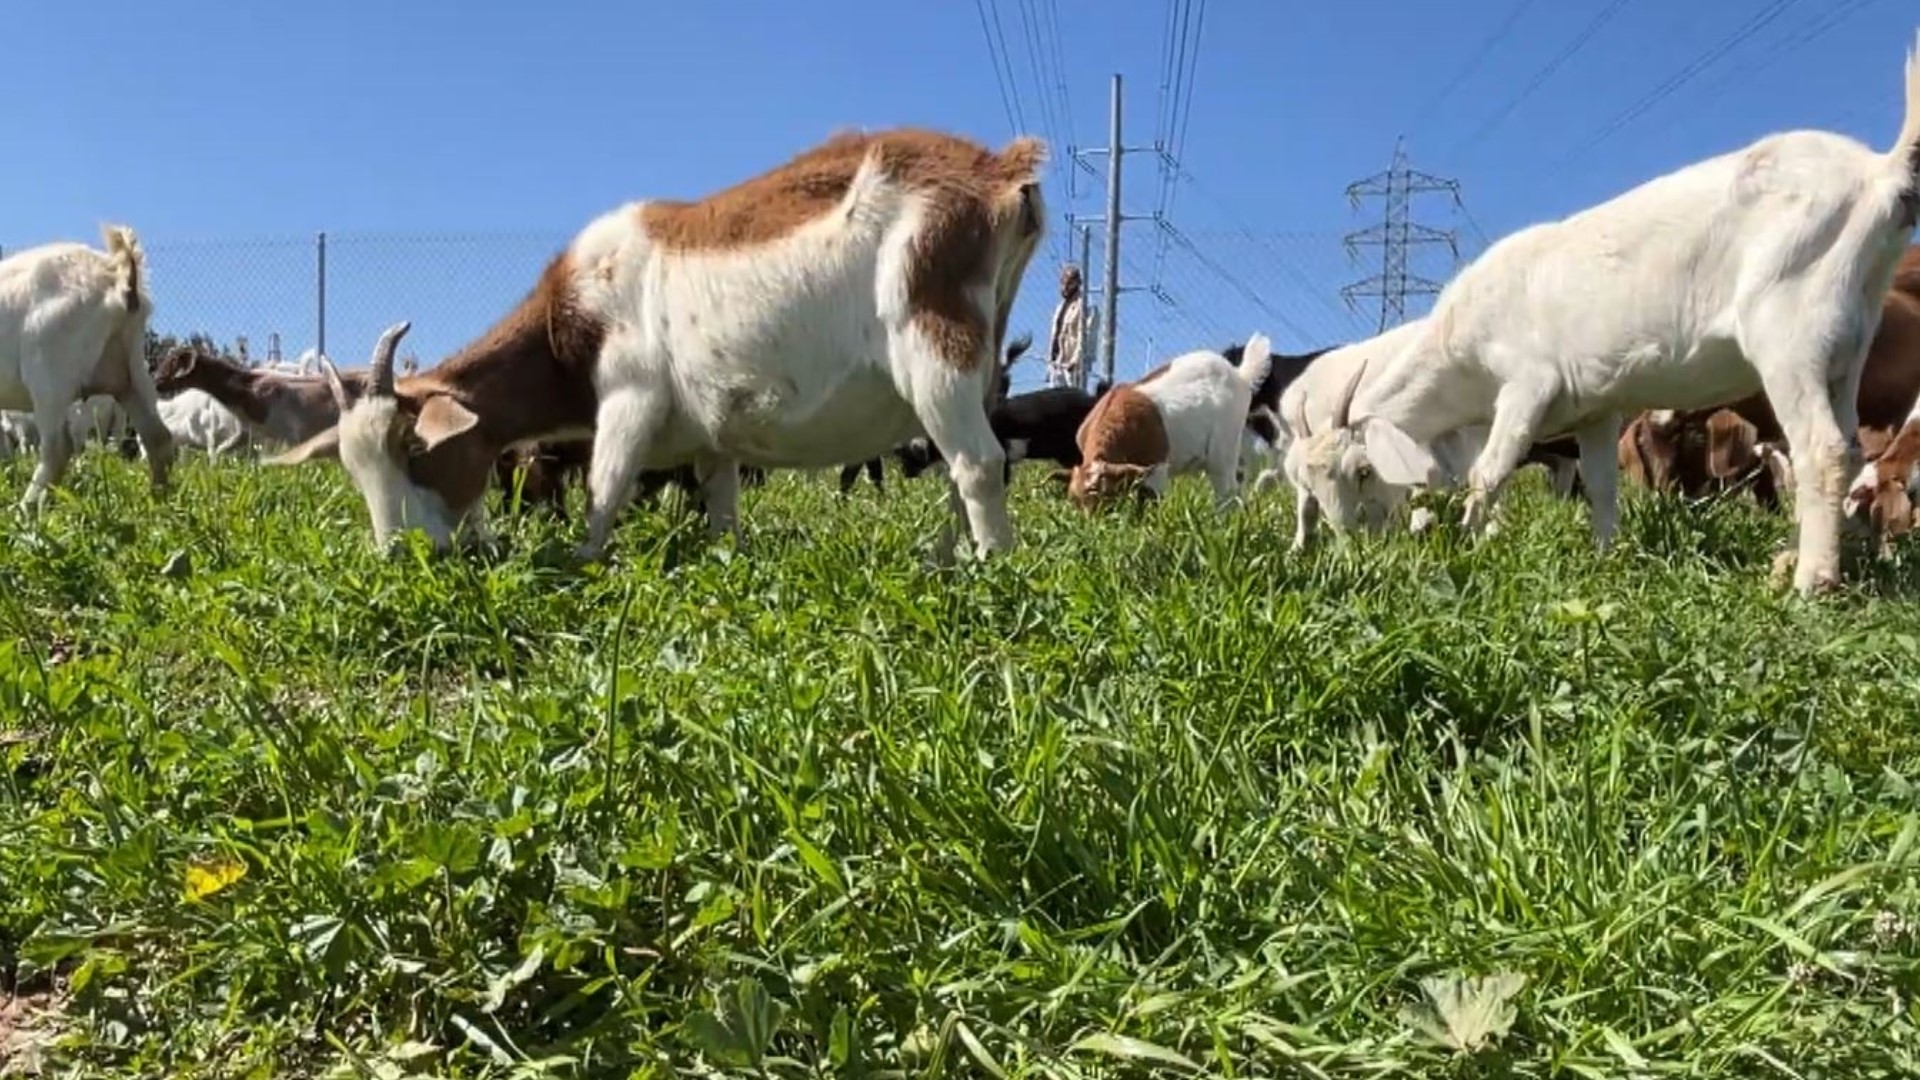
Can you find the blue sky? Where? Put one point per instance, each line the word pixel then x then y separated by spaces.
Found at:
pixel 447 148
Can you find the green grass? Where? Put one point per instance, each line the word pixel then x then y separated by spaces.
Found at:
pixel 1145 798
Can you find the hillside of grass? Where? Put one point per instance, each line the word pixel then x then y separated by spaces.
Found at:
pixel 1149 796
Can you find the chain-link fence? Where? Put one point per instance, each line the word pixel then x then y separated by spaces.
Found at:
pixel 280 298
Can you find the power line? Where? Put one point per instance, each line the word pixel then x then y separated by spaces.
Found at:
pixel 1298 276
pixel 999 81
pixel 1485 242
pixel 1186 110
pixel 1007 56
pixel 1034 67
pixel 1586 34
pixel 1175 103
pixel 1060 69
pixel 1808 32
pixel 1166 69
pixel 1229 278
pixel 1680 78
pixel 1479 57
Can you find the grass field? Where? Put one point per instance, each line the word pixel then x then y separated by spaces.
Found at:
pixel 1145 798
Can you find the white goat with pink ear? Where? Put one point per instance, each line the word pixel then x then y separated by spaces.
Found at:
pixel 1760 269
pixel 73 323
pixel 820 313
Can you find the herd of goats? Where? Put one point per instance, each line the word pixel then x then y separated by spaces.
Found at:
pixel 1751 320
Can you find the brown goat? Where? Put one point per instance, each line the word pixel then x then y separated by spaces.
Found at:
pixel 1123 441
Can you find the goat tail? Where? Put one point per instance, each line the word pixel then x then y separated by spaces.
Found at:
pixel 1017 348
pixel 1906 148
pixel 129 264
pixel 1256 360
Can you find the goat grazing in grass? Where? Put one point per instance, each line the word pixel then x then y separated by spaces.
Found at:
pixel 820 313
pixel 1321 466
pixel 1759 269
pixel 73 323
pixel 1190 412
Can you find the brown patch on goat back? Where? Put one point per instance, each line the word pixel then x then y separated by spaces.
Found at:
pixel 1122 438
pixel 972 195
pixel 961 226
pixel 775 203
pixel 1124 428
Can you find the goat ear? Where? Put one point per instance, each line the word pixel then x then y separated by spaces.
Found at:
pixel 1396 457
pixel 324 445
pixel 441 418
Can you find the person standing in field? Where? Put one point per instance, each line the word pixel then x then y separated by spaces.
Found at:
pixel 1064 359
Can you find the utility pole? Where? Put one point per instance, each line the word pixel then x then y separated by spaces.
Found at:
pixel 1115 151
pixel 1085 262
pixel 1110 222
pixel 1396 235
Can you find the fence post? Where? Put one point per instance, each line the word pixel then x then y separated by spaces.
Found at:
pixel 321 295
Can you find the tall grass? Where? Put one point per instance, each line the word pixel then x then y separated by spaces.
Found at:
pixel 1148 797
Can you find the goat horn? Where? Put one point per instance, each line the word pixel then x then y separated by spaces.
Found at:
pixel 380 382
pixel 335 385
pixel 1346 397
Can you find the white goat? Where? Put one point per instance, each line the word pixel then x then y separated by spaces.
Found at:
pixel 1327 470
pixel 197 418
pixel 1203 400
pixel 1759 269
pixel 98 418
pixel 17 433
pixel 820 313
pixel 73 323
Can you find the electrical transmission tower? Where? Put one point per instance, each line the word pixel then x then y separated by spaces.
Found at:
pixel 1396 235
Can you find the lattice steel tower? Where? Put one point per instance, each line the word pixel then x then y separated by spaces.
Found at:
pixel 1396 235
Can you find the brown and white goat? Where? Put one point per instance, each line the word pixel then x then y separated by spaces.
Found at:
pixel 1187 415
pixel 73 324
pixel 272 404
pixel 1123 450
pixel 1701 452
pixel 817 314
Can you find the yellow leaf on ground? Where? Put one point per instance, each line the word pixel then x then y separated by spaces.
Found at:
pixel 206 878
